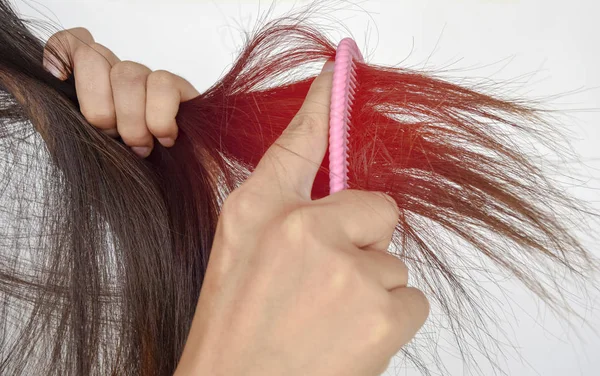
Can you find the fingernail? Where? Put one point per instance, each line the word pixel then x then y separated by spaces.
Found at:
pixel 166 141
pixel 142 151
pixel 328 66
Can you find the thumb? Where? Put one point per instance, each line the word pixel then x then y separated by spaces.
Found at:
pixel 296 156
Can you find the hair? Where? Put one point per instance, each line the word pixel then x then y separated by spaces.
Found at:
pixel 102 254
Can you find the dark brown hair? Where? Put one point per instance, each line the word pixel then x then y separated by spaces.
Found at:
pixel 103 254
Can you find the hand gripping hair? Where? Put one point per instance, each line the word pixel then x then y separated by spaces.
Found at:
pixel 102 254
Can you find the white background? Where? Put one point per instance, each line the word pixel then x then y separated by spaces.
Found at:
pixel 549 47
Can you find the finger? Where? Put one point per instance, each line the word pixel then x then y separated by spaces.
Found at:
pixel 387 269
pixel 128 80
pixel 60 48
pixel 368 219
pixel 294 159
pixel 410 309
pixel 92 65
pixel 164 92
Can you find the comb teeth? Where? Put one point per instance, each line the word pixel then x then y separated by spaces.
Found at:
pixel 342 98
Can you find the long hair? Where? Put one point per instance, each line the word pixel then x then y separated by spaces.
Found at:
pixel 102 254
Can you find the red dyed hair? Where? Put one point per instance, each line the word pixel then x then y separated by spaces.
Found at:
pixel 447 154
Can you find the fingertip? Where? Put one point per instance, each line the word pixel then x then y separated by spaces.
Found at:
pixel 328 66
pixel 165 131
pixel 318 98
pixel 426 306
pixel 418 304
pixel 166 141
pixel 141 151
pixel 412 307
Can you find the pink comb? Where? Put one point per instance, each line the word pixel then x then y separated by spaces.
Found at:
pixel 342 96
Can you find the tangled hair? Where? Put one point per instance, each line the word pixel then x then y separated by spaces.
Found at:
pixel 102 254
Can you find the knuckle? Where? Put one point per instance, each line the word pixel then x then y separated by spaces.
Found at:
pixel 83 53
pixel 379 326
pixel 127 70
pixel 80 31
pixel 135 136
pixel 161 78
pixel 100 49
pixel 63 36
pixel 86 52
pixel 320 88
pixel 159 127
pixel 304 123
pixel 57 40
pixel 394 209
pixel 241 205
pixel 101 117
pixel 55 37
pixel 64 39
pixel 58 49
pixel 296 221
pixel 342 274
pixel 299 230
pixel 301 227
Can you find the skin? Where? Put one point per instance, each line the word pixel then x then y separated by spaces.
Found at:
pixel 294 286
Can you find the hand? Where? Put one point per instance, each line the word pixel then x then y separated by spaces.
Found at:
pixel 122 98
pixel 298 287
